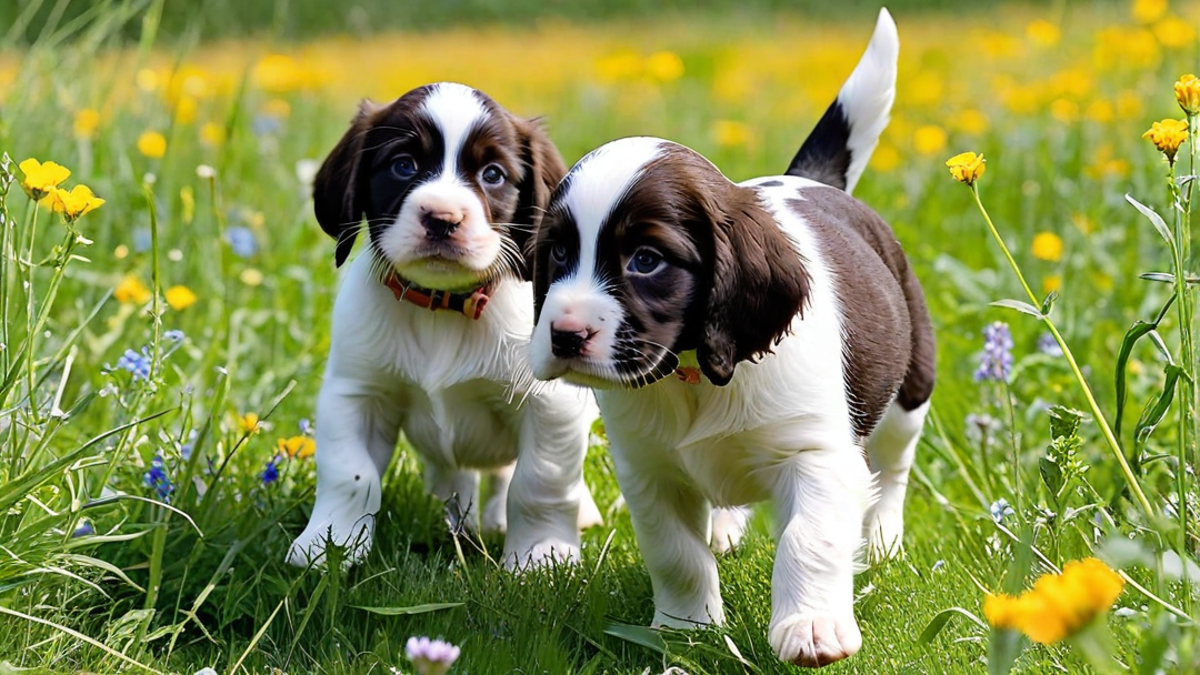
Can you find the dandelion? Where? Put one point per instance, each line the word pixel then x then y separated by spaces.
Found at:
pixel 1000 510
pixel 1043 33
pixel 966 167
pixel 664 66
pixel 430 657
pixel 1048 246
pixel 41 178
pixel 1059 605
pixel 248 423
pixel 180 297
pixel 1048 345
pixel 271 473
pixel 152 144
pixel 1051 283
pixel 1187 93
pixel 1175 33
pixel 158 479
pixel 1148 11
pixel 1167 136
pixel 929 139
pixel 79 201
pixel 242 241
pixel 136 363
pixel 297 447
pixel 996 362
pixel 730 133
pixel 205 172
pixel 212 134
pixel 86 123
pixel 147 80
pixel 131 290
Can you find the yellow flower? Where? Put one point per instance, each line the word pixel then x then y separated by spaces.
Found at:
pixel 886 158
pixel 1148 11
pixel 729 133
pixel 1043 33
pixel 966 167
pixel 1101 111
pixel 185 110
pixel 929 139
pixel 277 107
pixel 131 290
pixel 212 134
pixel 1058 605
pixel 180 297
pixel 664 66
pixel 1064 110
pixel 147 80
pixel 1051 283
pixel 248 423
pixel 972 121
pixel 622 65
pixel 251 277
pixel 1167 136
pixel 86 123
pixel 298 447
pixel 1048 246
pixel 1175 32
pixel 77 202
pixel 152 144
pixel 278 73
pixel 40 178
pixel 1187 93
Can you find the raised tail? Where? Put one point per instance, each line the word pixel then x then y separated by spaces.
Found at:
pixel 837 150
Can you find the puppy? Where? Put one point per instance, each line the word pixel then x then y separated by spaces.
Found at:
pixel 746 341
pixel 431 327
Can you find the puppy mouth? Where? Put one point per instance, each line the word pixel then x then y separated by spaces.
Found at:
pixel 622 374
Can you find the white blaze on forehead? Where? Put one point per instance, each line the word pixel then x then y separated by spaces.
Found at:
pixel 598 183
pixel 455 109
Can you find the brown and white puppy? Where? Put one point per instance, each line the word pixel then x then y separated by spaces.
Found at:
pixel 431 327
pixel 797 305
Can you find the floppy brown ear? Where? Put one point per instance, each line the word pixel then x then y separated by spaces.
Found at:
pixel 759 284
pixel 337 193
pixel 544 168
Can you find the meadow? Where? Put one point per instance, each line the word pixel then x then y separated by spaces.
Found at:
pixel 161 353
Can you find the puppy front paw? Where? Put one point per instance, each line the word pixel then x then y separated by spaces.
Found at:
pixel 728 527
pixel 543 554
pixel 814 639
pixel 354 534
pixel 495 514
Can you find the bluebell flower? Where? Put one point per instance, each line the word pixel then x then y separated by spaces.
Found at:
pixel 185 450
pixel 1048 345
pixel 138 364
pixel 173 335
pixel 271 473
pixel 306 427
pixel 937 566
pixel 996 362
pixel 242 241
pixel 1000 510
pixel 142 239
pixel 158 479
pixel 85 529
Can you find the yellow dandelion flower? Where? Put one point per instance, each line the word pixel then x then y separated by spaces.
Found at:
pixel 251 277
pixel 1167 136
pixel 1187 93
pixel 212 134
pixel 622 65
pixel 277 107
pixel 1064 110
pixel 1058 605
pixel 730 133
pixel 180 297
pixel 152 144
pixel 663 66
pixel 131 290
pixel 147 80
pixel 185 110
pixel 297 447
pixel 248 423
pixel 972 121
pixel 278 74
pixel 966 167
pixel 1101 111
pixel 1175 33
pixel 77 202
pixel 1043 33
pixel 886 158
pixel 1129 104
pixel 1048 246
pixel 929 139
pixel 41 178
pixel 1148 11
pixel 1003 611
pixel 86 123
pixel 1051 283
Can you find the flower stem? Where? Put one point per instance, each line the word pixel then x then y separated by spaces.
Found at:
pixel 1105 430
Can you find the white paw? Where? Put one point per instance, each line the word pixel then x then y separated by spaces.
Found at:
pixel 495 514
pixel 885 536
pixel 813 640
pixel 543 554
pixel 354 534
pixel 728 527
pixel 589 513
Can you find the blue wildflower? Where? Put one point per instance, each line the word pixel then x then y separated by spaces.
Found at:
pixel 271 473
pixel 173 336
pixel 142 239
pixel 85 529
pixel 158 479
pixel 138 364
pixel 306 427
pixel 185 450
pixel 1048 345
pixel 242 241
pixel 996 362
pixel 265 125
pixel 1000 510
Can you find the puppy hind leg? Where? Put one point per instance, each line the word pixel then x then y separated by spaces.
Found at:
pixel 729 525
pixel 459 489
pixel 495 511
pixel 892 449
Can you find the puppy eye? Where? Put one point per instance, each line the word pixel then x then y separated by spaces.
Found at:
pixel 404 166
pixel 559 252
pixel 492 174
pixel 645 261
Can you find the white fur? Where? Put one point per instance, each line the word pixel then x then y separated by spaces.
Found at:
pixel 892 448
pixel 780 431
pixel 868 94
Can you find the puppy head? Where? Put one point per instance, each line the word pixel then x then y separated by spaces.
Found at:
pixel 451 186
pixel 646 251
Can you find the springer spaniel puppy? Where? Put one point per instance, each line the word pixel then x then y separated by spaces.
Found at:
pixel 431 327
pixel 746 341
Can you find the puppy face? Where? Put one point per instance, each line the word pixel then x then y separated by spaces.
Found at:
pixel 646 251
pixel 451 186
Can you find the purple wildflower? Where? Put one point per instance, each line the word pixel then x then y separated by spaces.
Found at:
pixel 138 364
pixel 185 450
pixel 430 657
pixel 158 479
pixel 85 529
pixel 242 241
pixel 174 335
pixel 996 362
pixel 1048 345
pixel 306 427
pixel 271 473
pixel 1000 510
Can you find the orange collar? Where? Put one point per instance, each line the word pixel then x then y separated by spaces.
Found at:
pixel 688 374
pixel 469 304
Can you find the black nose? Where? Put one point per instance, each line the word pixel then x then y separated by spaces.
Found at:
pixel 567 344
pixel 437 227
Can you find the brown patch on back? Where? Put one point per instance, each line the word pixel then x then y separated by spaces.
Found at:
pixel 889 340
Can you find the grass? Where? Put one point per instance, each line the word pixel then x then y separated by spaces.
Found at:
pixel 203 583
